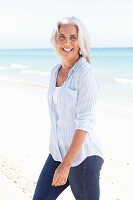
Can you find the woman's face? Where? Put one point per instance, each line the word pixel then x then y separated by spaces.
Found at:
pixel 67 42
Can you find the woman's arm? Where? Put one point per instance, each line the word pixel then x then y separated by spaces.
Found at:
pixel 77 141
pixel 62 171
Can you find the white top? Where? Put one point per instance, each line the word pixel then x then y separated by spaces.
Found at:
pixel 55 97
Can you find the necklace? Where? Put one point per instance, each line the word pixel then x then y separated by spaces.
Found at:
pixel 64 67
pixel 69 66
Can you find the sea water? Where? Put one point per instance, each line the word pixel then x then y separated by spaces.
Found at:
pixel 114 67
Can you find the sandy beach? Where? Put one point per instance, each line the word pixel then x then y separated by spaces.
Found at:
pixel 24 143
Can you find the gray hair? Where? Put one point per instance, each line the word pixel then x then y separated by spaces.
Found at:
pixel 83 38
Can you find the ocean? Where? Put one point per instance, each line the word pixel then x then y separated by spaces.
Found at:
pixel 114 67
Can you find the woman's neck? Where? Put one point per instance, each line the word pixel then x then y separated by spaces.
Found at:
pixel 68 64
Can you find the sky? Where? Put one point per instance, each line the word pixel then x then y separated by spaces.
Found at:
pixel 29 23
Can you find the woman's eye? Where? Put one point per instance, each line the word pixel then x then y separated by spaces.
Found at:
pixel 61 37
pixel 73 38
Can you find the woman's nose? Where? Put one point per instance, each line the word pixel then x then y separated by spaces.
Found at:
pixel 67 41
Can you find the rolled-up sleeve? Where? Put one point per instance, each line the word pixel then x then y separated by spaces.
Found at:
pixel 88 93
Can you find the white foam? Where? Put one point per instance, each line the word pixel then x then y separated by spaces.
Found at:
pixel 34 72
pixel 16 66
pixel 124 80
pixel 2 68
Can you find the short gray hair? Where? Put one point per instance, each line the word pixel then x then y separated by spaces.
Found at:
pixel 84 41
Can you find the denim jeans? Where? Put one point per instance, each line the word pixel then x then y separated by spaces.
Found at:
pixel 83 180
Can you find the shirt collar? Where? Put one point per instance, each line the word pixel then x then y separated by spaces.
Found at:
pixel 78 63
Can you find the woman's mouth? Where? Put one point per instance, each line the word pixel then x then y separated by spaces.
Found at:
pixel 67 50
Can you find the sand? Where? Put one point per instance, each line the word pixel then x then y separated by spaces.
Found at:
pixel 24 143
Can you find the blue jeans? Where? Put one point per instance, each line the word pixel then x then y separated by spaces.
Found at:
pixel 83 180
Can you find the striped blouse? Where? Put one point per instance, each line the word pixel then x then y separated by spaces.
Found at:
pixel 76 103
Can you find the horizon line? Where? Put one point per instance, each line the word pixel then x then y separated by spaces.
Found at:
pixel 53 49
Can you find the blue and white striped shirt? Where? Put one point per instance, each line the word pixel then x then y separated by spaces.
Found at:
pixel 76 106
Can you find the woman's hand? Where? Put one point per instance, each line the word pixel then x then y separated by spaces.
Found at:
pixel 61 175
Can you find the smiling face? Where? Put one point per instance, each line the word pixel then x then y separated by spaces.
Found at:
pixel 67 42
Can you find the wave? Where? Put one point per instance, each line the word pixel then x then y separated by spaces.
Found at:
pixel 22 82
pixel 34 72
pixel 124 80
pixel 2 68
pixel 16 66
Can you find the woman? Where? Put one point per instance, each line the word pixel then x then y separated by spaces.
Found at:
pixel 75 155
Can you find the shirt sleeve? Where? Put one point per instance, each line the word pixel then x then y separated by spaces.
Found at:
pixel 88 93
